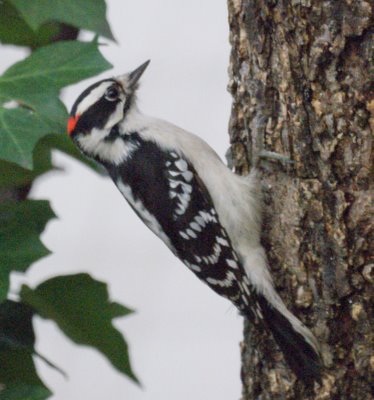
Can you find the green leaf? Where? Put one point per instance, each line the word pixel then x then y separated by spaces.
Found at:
pixel 59 64
pixel 21 223
pixel 16 331
pixel 64 143
pixel 35 83
pixel 18 376
pixel 14 30
pixel 20 130
pixel 85 14
pixel 81 307
pixel 22 391
pixel 12 175
pixel 52 111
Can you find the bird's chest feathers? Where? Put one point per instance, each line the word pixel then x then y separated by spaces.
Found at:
pixel 141 179
pixel 101 146
pixel 144 171
pixel 158 179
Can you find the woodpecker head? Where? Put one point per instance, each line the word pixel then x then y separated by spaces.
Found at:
pixel 102 106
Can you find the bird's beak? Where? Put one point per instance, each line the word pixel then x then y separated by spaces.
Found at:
pixel 135 75
pixel 131 79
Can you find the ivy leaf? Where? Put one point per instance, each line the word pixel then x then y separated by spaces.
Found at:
pixel 81 308
pixel 20 130
pixel 14 29
pixel 18 377
pixel 20 226
pixel 52 111
pixel 58 64
pixel 35 83
pixel 16 331
pixel 13 175
pixel 84 14
pixel 64 143
pixel 23 391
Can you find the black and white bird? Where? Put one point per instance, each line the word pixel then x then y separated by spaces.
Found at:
pixel 209 217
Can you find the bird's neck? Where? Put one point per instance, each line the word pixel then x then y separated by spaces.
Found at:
pixel 134 121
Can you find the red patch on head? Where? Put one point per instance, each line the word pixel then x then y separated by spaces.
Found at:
pixel 71 123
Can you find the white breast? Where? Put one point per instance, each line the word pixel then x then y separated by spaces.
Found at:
pixel 114 152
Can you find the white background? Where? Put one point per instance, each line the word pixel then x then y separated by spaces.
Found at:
pixel 183 338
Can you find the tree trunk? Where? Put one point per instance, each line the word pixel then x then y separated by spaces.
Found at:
pixel 299 76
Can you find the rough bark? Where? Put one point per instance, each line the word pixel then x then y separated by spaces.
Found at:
pixel 300 80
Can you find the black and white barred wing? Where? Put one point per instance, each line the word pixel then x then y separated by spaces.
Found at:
pixel 166 192
pixel 200 240
pixel 204 246
pixel 168 195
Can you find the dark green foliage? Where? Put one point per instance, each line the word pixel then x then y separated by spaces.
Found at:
pixel 81 308
pixel 35 84
pixel 21 223
pixel 15 30
pixel 18 375
pixel 85 14
pixel 32 124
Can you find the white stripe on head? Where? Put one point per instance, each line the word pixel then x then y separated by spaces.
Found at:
pixel 93 97
pixel 115 117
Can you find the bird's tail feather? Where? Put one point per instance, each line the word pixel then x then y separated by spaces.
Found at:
pixel 297 343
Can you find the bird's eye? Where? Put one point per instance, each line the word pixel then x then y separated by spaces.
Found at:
pixel 112 94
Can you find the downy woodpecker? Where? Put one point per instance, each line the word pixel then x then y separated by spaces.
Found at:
pixel 208 216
